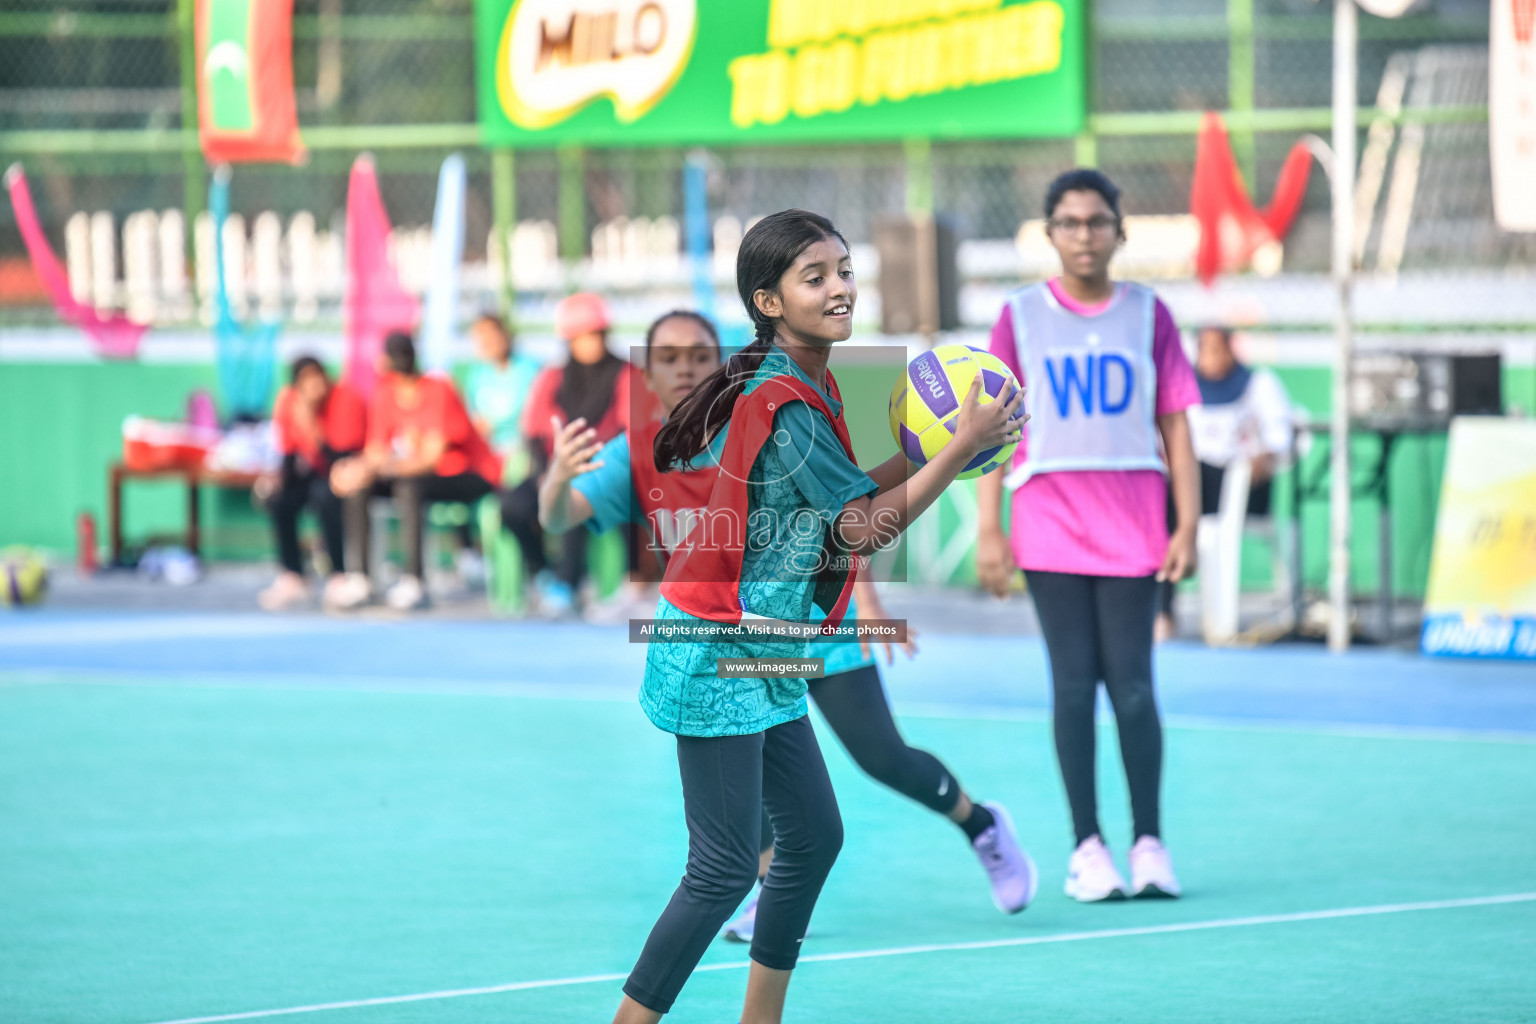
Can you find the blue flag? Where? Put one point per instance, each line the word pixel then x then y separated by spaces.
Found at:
pixel 244 354
pixel 447 253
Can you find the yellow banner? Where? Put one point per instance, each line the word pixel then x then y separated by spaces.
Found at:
pixel 1481 600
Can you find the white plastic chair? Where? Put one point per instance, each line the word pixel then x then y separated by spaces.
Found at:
pixel 1219 545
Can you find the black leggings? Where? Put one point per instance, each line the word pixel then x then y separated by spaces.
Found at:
pixel 412 495
pixel 1100 627
pixel 520 517
pixel 855 706
pixel 725 780
pixel 302 486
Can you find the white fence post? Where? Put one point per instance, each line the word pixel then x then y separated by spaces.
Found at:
pixel 235 264
pixel 203 264
pixel 304 266
pixel 267 264
pixel 77 256
pixel 103 262
pixel 176 302
pixel 141 232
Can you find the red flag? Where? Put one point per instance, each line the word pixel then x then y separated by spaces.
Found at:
pixel 114 336
pixel 245 106
pixel 375 302
pixel 1524 18
pixel 1230 228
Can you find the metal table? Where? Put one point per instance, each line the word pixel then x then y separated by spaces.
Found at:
pixel 120 474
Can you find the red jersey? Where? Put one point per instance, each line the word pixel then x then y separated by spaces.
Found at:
pixel 671 502
pixel 342 419
pixel 434 407
pixel 704 574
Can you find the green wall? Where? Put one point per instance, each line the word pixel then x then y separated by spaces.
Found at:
pixel 61 424
pixel 62 427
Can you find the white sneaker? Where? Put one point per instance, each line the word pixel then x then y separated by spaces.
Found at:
pixel 287 591
pixel 1152 870
pixel 344 593
pixel 740 929
pixel 1009 869
pixel 1092 875
pixel 406 595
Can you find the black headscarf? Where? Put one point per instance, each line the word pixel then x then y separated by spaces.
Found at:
pixel 586 389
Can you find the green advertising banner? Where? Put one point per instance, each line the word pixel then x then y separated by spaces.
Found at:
pixel 721 72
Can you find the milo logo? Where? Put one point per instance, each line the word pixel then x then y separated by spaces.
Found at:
pixel 557 56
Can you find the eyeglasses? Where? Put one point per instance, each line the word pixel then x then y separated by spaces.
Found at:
pixel 1099 225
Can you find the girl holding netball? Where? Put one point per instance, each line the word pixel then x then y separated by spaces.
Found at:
pixel 788 513
pixel 609 485
pixel 1088 519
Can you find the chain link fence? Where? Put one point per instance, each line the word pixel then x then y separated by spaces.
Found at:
pixel 114 66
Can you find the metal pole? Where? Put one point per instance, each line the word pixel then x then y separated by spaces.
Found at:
pixel 194 184
pixel 1345 30
pixel 919 174
pixel 573 204
pixel 1240 89
pixel 1085 149
pixel 504 216
pixel 94 143
pixel 696 229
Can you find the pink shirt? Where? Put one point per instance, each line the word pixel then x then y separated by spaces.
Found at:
pixel 1098 522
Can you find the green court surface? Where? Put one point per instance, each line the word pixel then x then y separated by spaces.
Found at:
pixel 192 849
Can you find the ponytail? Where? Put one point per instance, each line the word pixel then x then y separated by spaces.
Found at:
pixel 768 251
pixel 693 425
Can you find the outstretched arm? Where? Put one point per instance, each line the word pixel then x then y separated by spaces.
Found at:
pixel 892 472
pixel 868 524
pixel 561 506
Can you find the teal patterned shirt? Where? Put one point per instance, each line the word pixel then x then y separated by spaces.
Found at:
pixel 610 490
pixel 802 477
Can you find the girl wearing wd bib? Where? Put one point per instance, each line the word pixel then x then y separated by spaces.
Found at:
pixel 1089 522
pixel 607 485
pixel 787 515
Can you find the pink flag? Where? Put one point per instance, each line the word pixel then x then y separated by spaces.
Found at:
pixel 114 336
pixel 376 303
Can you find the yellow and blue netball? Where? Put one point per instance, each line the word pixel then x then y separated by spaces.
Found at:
pixel 925 403
pixel 23 577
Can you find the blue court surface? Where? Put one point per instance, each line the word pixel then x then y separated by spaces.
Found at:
pixel 231 817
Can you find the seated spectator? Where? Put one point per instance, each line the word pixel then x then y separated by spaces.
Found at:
pixel 497 385
pixel 592 386
pixel 1243 414
pixel 495 391
pixel 421 449
pixel 317 421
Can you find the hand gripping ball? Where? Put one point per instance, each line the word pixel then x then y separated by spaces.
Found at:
pixel 925 403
